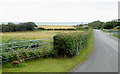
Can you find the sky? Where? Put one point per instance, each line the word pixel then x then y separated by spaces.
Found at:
pixel 58 10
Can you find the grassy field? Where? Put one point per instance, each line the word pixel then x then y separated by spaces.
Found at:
pixel 55 26
pixel 31 35
pixel 55 64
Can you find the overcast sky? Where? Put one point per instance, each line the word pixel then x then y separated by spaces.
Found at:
pixel 58 10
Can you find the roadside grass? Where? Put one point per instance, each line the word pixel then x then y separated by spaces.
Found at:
pixel 116 36
pixel 55 64
pixel 1 70
pixel 112 34
pixel 106 32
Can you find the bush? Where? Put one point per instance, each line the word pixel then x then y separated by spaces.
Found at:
pixel 71 29
pixel 117 28
pixel 49 29
pixel 96 24
pixel 110 25
pixel 12 27
pixel 69 44
pixel 41 28
pixel 9 65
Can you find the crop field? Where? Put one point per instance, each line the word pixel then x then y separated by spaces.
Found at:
pixel 31 35
pixel 56 26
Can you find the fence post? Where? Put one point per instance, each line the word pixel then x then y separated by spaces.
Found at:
pixel 12 46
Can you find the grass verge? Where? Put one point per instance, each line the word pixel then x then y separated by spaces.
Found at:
pixel 54 64
pixel 106 32
pixel 116 36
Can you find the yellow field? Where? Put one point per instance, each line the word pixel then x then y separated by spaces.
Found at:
pixel 32 35
pixel 55 26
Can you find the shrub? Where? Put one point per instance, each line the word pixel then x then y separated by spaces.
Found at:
pixel 41 28
pixel 49 29
pixel 58 29
pixel 9 65
pixel 82 28
pixel 71 29
pixel 117 28
pixel 69 44
pixel 110 25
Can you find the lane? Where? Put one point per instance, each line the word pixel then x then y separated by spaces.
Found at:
pixel 104 57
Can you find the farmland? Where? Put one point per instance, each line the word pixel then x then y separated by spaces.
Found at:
pixel 56 26
pixel 79 40
pixel 54 64
pixel 36 34
pixel 31 35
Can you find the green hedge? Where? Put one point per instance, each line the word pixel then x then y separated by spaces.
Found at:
pixel 41 28
pixel 82 28
pixel 69 44
pixel 56 29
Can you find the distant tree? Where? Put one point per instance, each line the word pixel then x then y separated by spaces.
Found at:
pixel 96 24
pixel 80 25
pixel 110 25
pixel 31 25
pixel 11 27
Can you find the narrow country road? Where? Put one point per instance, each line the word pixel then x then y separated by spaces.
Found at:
pixel 104 57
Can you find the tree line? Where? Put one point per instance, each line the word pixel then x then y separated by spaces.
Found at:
pixel 29 26
pixel 12 27
pixel 105 25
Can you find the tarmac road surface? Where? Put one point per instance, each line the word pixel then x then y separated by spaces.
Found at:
pixel 104 57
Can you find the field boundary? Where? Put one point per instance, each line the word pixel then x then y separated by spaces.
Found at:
pixel 24 46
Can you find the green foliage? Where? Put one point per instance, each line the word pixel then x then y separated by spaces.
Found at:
pixel 9 65
pixel 80 25
pixel 49 29
pixel 55 64
pixel 21 65
pixel 41 28
pixel 117 28
pixel 82 28
pixel 96 24
pixel 62 29
pixel 70 44
pixel 110 25
pixel 11 27
pixel 44 50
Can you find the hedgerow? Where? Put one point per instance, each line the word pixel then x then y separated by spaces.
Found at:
pixel 69 44
pixel 57 29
